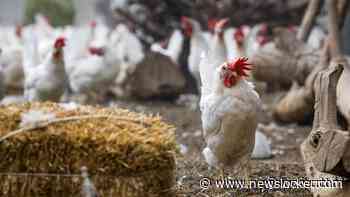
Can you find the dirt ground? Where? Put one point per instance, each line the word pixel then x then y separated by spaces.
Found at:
pixel 285 139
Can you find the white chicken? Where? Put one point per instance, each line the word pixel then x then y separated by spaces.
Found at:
pixel 47 34
pixel 99 34
pixel 78 44
pixel 256 39
pixel 217 47
pixel 229 107
pixel 174 48
pixel 198 45
pixel 234 39
pixel 94 73
pixel 46 81
pixel 11 58
pixel 129 51
pixel 208 35
pixel 42 26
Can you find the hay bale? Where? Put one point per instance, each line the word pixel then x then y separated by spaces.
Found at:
pixel 127 154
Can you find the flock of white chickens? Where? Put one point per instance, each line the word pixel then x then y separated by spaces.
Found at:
pixel 50 64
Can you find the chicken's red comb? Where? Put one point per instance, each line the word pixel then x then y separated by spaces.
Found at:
pixel 240 66
pixel 211 23
pixel 60 42
pixel 93 24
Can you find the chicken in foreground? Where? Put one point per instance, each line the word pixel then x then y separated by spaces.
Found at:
pixel 46 81
pixel 229 106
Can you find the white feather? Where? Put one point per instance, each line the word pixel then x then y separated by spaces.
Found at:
pixel 70 106
pixel 316 38
pixel 7 100
pixel 215 56
pixel 34 117
pixel 30 50
pixel 262 148
pixel 251 44
pixel 231 44
pixel 198 46
pixel 175 45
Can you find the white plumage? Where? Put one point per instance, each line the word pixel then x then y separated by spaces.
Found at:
pixel 129 51
pixel 12 99
pixel 34 117
pixel 234 50
pixel 262 147
pixel 92 73
pixel 229 118
pixel 174 48
pixel 252 44
pixel 45 81
pixel 211 59
pixel 69 106
pixel 231 45
pixel 198 45
pixel 11 57
pixel 316 38
pixel 77 46
pixel 208 36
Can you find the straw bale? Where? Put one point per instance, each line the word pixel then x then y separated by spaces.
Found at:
pixel 112 143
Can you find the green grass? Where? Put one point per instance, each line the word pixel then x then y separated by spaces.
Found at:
pixel 60 12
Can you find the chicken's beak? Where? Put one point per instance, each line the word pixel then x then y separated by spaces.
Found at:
pixel 223 71
pixel 222 23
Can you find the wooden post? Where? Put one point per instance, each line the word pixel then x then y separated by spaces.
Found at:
pixel 325 149
pixel 309 19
